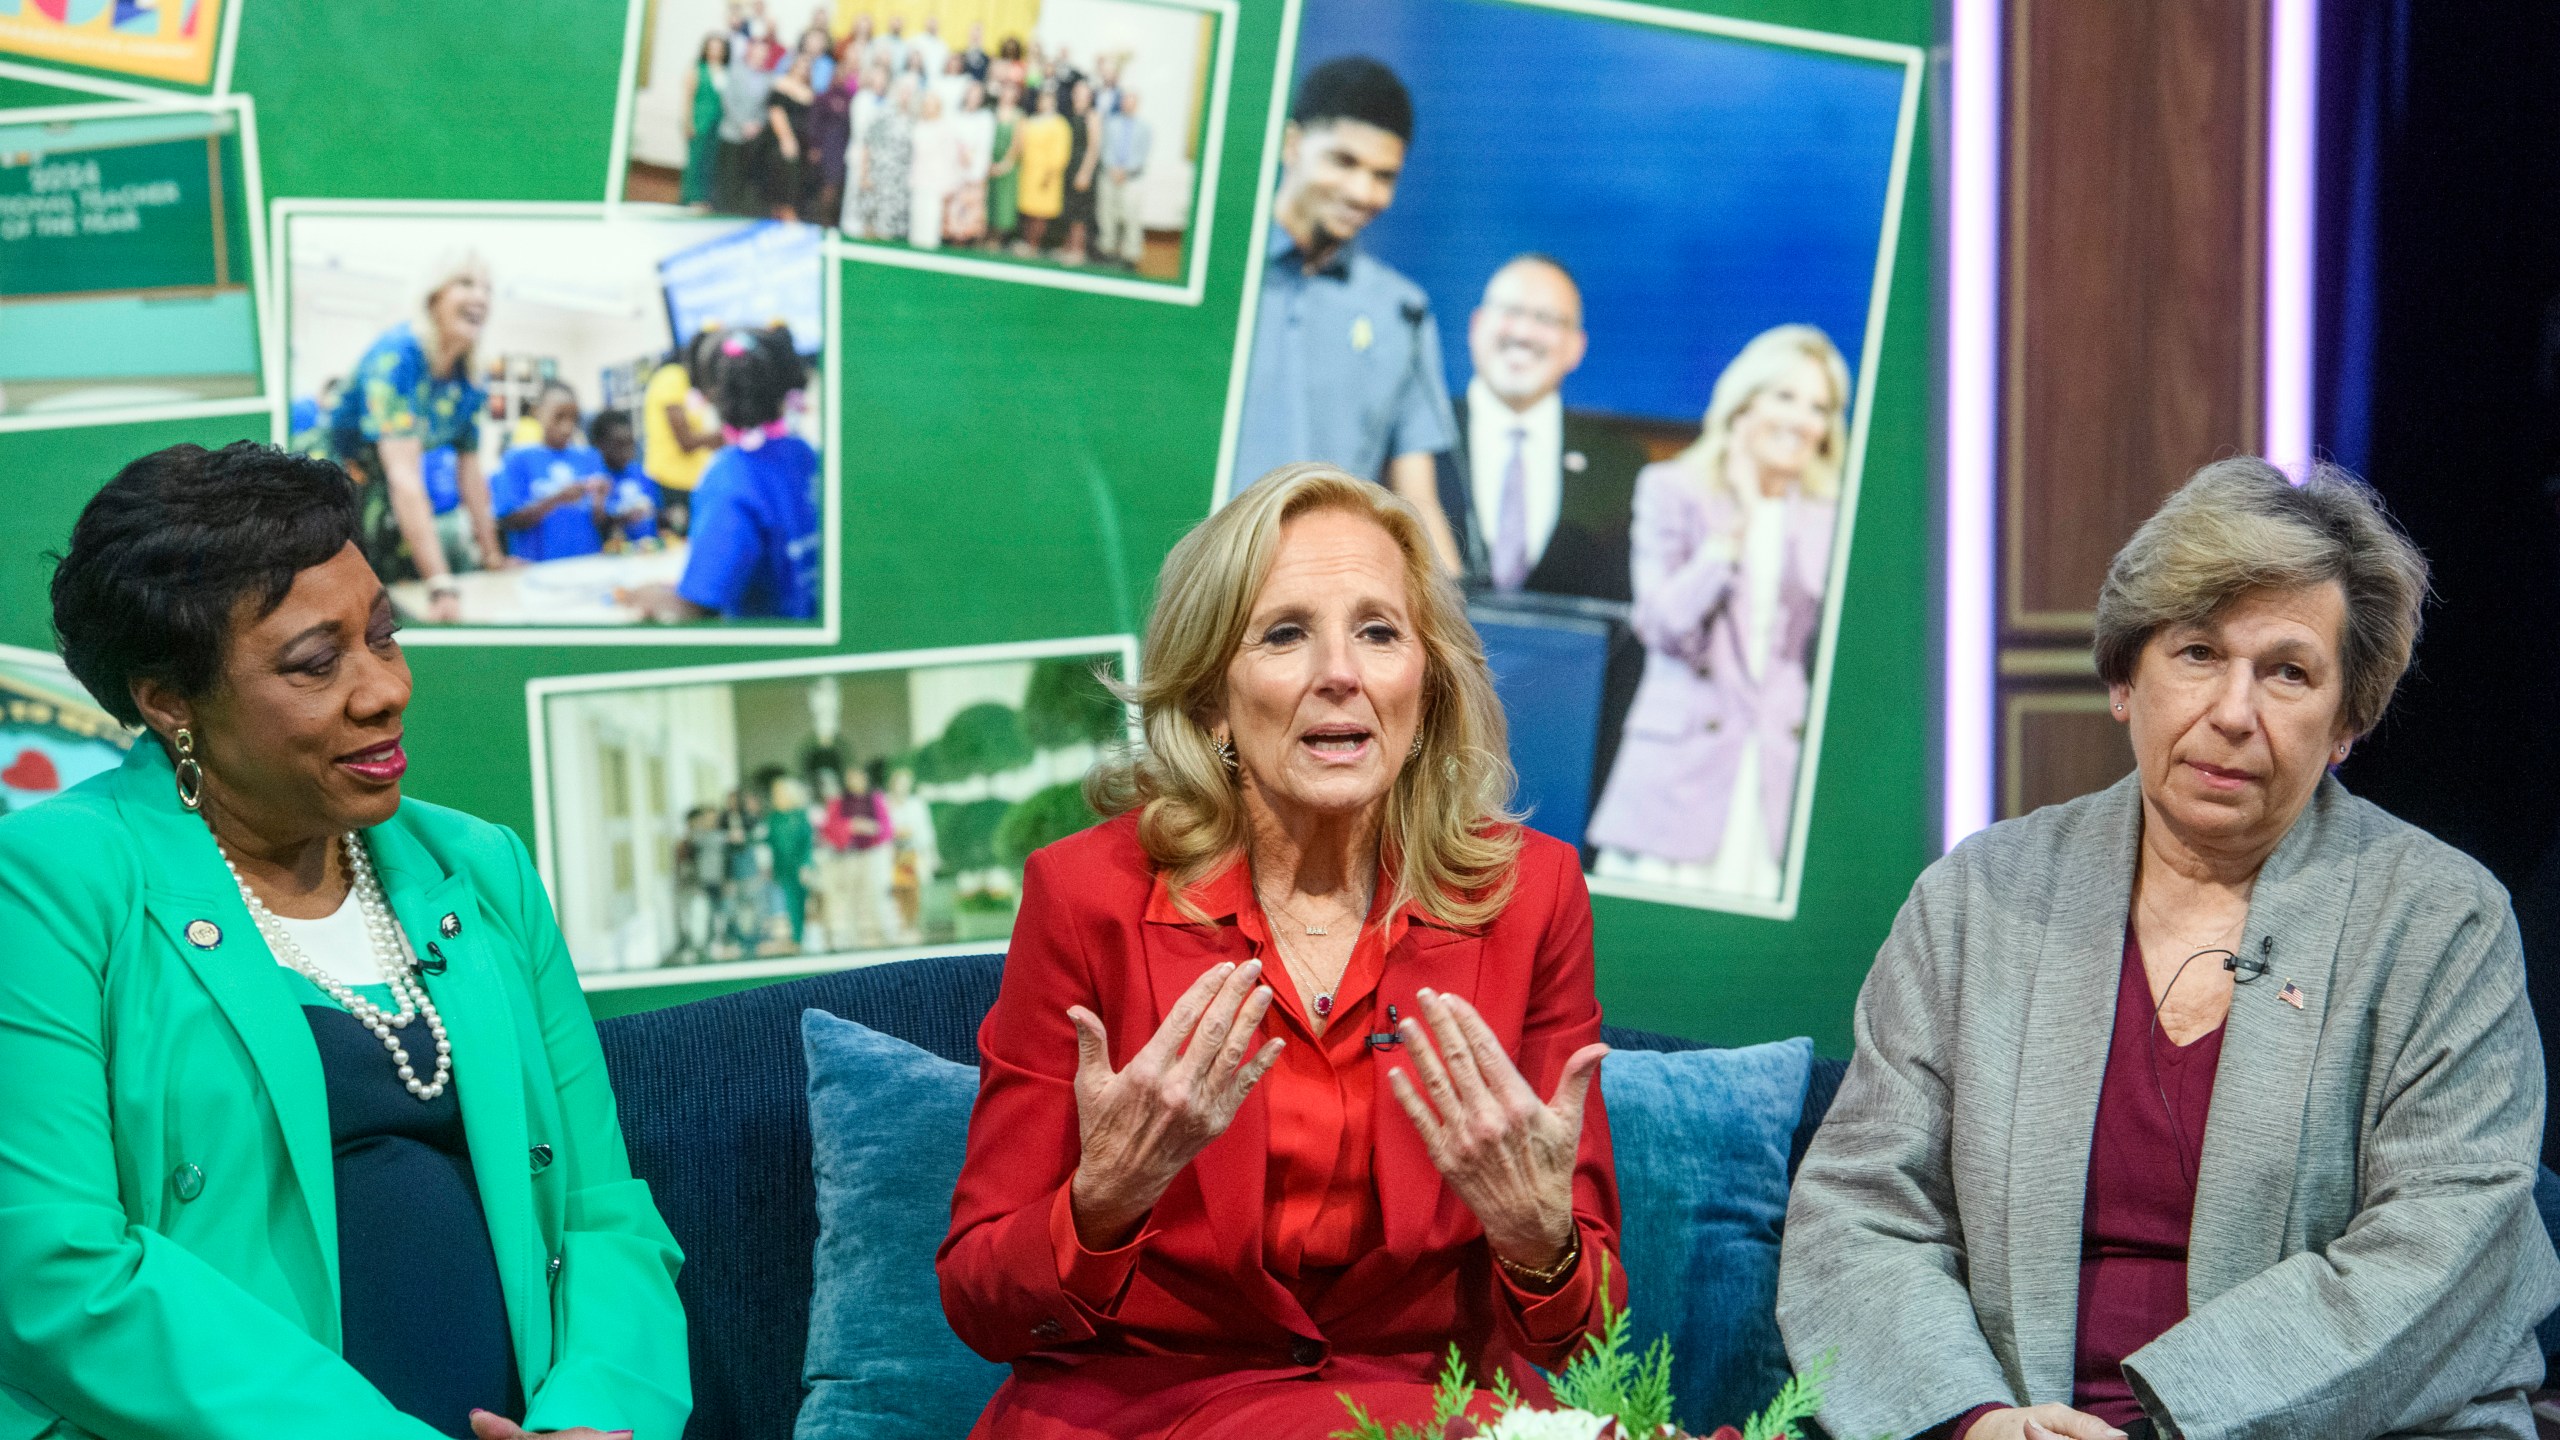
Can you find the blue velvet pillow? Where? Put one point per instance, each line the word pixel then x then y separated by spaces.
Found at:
pixel 888 1124
pixel 1701 1140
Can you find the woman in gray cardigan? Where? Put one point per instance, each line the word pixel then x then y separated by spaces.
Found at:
pixel 2206 1105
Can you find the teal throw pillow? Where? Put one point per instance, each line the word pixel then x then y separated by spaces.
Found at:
pixel 1701 1139
pixel 888 1124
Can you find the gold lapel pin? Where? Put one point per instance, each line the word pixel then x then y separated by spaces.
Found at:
pixel 203 934
pixel 1363 334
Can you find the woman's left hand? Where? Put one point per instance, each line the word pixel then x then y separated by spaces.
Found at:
pixel 1509 1156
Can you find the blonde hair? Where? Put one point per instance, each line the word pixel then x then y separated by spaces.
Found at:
pixel 450 267
pixel 1448 834
pixel 1755 369
pixel 2239 526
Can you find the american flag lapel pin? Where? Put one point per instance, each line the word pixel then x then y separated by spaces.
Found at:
pixel 2291 994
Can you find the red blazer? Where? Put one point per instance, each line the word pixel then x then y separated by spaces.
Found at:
pixel 1201 1316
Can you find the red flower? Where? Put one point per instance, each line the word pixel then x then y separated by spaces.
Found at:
pixel 1726 1432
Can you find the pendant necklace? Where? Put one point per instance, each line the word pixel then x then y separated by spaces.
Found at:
pixel 1322 1004
pixel 391 956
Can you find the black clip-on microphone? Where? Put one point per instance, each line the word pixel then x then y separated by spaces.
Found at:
pixel 2244 971
pixel 1386 1039
pixel 436 965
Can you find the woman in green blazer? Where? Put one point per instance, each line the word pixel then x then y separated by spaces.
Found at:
pixel 304 1130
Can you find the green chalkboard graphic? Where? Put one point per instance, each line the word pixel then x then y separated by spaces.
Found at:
pixel 117 219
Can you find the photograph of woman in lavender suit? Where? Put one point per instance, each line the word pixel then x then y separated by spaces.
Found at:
pixel 1732 554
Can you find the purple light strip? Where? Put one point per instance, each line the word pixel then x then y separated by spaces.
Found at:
pixel 2293 73
pixel 1973 391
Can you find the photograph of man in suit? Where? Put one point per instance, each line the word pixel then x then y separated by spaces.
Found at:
pixel 1539 499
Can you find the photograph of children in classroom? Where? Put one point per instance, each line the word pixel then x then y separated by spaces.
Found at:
pixel 568 422
pixel 697 821
pixel 1059 132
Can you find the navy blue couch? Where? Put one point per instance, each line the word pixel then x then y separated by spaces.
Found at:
pixel 714 1101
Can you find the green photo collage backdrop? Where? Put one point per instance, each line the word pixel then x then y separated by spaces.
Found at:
pixel 1018 459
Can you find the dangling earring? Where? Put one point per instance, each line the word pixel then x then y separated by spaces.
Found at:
pixel 1414 751
pixel 190 774
pixel 1226 749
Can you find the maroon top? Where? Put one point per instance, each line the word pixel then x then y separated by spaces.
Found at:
pixel 2141 1197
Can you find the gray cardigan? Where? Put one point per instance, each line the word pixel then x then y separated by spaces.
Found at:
pixel 2365 1257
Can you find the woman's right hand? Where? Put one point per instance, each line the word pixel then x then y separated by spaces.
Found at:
pixel 1142 1124
pixel 2042 1422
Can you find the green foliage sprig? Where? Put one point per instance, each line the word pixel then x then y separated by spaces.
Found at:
pixel 1449 1400
pixel 1604 1378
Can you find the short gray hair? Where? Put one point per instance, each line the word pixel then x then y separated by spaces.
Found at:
pixel 2239 525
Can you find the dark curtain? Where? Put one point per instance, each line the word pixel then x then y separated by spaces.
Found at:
pixel 2439 381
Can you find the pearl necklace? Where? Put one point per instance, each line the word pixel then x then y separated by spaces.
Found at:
pixel 391 955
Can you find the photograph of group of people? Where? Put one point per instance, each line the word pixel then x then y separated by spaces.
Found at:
pixel 1061 132
pixel 554 421
pixel 1637 448
pixel 768 814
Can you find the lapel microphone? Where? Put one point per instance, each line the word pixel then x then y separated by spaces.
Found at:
pixel 1386 1039
pixel 434 966
pixel 2244 971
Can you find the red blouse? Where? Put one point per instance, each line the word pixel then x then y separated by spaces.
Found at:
pixel 1233 1309
pixel 1320 1210
pixel 2141 1197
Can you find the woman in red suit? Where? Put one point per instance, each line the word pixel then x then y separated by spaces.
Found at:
pixel 1261 1117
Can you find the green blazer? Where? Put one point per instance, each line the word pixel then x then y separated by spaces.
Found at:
pixel 168 1222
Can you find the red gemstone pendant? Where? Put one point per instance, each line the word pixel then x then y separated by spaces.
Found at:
pixel 1324 1005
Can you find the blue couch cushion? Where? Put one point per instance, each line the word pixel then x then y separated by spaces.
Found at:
pixel 889 1124
pixel 714 1098
pixel 1702 1140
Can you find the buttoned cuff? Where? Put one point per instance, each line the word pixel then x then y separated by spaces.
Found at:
pixel 1548 1317
pixel 1095 1280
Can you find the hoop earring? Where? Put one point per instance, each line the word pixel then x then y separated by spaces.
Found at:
pixel 190 773
pixel 1226 749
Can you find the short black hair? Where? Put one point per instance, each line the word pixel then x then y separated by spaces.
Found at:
pixel 753 372
pixel 1354 87
pixel 162 557
pixel 556 387
pixel 608 422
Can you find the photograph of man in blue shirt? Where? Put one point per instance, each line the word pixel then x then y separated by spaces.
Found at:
pixel 1346 357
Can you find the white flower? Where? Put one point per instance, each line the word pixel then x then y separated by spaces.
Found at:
pixel 1527 1424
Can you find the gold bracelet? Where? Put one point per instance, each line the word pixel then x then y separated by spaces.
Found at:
pixel 1543 1278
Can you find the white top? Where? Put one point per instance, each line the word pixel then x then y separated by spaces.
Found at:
pixel 1764 559
pixel 1489 426
pixel 977 131
pixel 339 944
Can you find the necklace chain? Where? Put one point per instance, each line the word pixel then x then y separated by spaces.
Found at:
pixel 1322 1001
pixel 392 957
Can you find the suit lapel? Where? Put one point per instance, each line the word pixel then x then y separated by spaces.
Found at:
pixel 1411 1195
pixel 2253 1135
pixel 487 1071
pixel 189 883
pixel 2061 1060
pixel 1230 1174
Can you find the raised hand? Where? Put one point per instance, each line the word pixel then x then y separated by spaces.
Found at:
pixel 1142 1124
pixel 1509 1155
